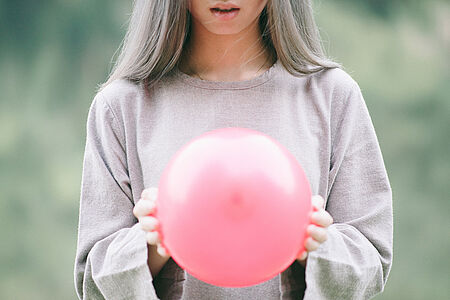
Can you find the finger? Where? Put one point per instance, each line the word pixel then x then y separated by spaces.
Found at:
pixel 150 193
pixel 318 202
pixel 152 237
pixel 144 208
pixel 317 233
pixel 162 251
pixel 311 244
pixel 149 223
pixel 321 218
pixel 303 255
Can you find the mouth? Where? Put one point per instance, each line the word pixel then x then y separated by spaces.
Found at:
pixel 224 9
pixel 225 12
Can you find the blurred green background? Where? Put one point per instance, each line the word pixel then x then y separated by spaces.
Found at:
pixel 53 54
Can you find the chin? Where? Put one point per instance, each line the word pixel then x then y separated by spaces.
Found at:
pixel 224 29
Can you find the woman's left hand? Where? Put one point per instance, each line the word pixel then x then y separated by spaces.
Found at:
pixel 317 230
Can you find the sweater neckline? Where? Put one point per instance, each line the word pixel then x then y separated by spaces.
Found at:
pixel 233 85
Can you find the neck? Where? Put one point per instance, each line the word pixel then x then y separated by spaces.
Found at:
pixel 227 57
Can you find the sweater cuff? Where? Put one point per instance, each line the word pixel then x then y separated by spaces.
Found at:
pixel 125 273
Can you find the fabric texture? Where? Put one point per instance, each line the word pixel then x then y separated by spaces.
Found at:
pixel 321 118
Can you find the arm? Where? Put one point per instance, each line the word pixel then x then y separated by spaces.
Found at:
pixel 356 259
pixel 111 257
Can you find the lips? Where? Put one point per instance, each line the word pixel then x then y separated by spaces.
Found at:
pixel 225 12
pixel 223 6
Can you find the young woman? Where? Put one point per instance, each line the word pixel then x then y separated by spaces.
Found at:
pixel 191 66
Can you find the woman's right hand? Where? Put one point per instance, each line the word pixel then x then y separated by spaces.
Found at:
pixel 143 211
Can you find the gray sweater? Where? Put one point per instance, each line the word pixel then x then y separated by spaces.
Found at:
pixel 322 119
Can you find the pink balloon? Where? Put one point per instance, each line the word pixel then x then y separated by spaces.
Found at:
pixel 233 206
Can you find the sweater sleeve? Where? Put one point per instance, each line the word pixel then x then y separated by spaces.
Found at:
pixel 111 255
pixel 356 259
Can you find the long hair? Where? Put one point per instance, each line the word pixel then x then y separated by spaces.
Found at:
pixel 159 29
